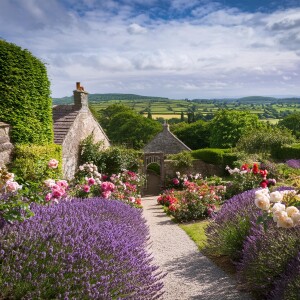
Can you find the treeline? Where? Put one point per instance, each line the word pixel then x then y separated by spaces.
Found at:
pixel 226 129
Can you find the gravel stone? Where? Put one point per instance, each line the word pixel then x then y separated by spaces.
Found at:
pixel 190 274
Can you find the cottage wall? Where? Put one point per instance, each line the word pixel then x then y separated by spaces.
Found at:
pixel 5 145
pixel 83 126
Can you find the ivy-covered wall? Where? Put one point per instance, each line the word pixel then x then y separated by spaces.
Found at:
pixel 25 101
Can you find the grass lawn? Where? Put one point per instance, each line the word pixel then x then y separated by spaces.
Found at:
pixel 196 231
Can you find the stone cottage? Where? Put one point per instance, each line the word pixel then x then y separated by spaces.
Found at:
pixel 72 124
pixel 166 142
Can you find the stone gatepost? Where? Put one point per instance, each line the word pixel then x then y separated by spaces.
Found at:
pixel 6 146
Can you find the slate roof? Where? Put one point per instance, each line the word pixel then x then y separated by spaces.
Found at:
pixel 63 118
pixel 166 142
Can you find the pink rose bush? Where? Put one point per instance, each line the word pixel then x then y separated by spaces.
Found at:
pixel 13 205
pixel 196 201
pixel 124 186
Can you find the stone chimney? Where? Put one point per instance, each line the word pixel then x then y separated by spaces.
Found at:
pixel 81 97
pixel 166 126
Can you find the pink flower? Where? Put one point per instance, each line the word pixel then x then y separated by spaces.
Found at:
pixel 53 163
pixel 107 186
pixel 175 181
pixel 57 191
pixel 12 186
pixel 131 199
pixel 62 183
pixel 106 194
pixel 48 197
pixel 86 188
pixel 91 181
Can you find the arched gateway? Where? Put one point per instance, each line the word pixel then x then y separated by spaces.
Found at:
pixel 162 144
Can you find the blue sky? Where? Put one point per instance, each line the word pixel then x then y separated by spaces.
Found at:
pixel 171 48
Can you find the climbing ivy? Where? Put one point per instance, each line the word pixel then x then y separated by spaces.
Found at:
pixel 25 101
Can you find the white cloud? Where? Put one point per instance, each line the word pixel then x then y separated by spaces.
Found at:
pixel 136 29
pixel 112 48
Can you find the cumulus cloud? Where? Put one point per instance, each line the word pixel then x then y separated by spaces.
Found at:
pixel 111 46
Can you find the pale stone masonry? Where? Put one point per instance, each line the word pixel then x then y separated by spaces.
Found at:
pixel 166 142
pixel 72 124
pixel 6 146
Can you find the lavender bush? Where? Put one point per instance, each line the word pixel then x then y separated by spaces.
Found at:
pixel 231 225
pixel 80 249
pixel 293 163
pixel 265 257
pixel 287 286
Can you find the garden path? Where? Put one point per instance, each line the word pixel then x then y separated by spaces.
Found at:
pixel 190 275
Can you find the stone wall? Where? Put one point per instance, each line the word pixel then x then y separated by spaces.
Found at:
pixel 83 126
pixel 5 144
pixel 198 166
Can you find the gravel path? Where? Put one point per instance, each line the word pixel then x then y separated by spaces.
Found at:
pixel 190 275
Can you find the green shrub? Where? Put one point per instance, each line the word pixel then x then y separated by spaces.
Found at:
pixel 286 152
pixel 112 160
pixel 265 139
pixel 229 159
pixel 181 160
pixel 25 95
pixel 30 162
pixel 209 155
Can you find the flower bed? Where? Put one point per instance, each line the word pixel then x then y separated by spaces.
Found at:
pixel 79 249
pixel 196 201
pixel 264 254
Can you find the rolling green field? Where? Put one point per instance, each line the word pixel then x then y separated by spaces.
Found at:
pixel 266 108
pixel 173 108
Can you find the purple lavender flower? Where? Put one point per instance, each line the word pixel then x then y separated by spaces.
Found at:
pixel 265 257
pixel 231 225
pixel 287 286
pixel 79 249
pixel 293 163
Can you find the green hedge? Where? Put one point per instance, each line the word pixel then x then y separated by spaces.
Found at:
pixel 25 101
pixel 215 156
pixel 30 162
pixel 286 152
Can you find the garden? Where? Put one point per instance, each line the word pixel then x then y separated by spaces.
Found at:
pixel 246 222
pixel 71 239
pixel 86 238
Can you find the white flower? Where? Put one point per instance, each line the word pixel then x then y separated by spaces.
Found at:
pixel 278 207
pixel 296 218
pixel 291 210
pixel 276 196
pixel 262 202
pixel 178 174
pixel 286 222
pixel 49 183
pixel 81 168
pixel 279 215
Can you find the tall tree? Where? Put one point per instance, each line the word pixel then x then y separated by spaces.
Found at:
pixel 125 126
pixel 194 135
pixel 291 122
pixel 228 126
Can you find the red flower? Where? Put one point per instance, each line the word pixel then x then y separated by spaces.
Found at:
pixel 264 183
pixel 255 169
pixel 263 173
pixel 245 167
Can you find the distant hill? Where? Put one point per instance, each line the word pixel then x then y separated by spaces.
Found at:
pixel 133 97
pixel 107 97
